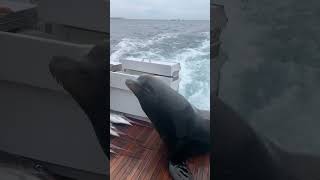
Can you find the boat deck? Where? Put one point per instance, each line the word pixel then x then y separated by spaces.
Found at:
pixel 145 157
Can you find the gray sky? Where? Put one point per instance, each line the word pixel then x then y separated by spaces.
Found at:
pixel 161 9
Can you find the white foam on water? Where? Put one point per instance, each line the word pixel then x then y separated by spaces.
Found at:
pixel 195 86
pixel 195 63
pixel 127 45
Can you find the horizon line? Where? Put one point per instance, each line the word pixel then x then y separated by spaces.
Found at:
pixel 160 19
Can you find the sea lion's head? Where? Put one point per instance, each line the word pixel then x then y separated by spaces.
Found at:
pixel 85 78
pixel 151 91
pixel 146 88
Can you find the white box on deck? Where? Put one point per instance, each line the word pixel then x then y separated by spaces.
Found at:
pixel 122 99
pixel 162 68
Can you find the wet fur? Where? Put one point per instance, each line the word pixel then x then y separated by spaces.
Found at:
pixel 86 80
pixel 179 124
pixel 239 152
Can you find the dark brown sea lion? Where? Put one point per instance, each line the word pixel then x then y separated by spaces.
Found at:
pixel 87 82
pixel 181 126
pixel 241 153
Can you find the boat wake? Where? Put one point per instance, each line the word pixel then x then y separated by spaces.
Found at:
pixel 191 50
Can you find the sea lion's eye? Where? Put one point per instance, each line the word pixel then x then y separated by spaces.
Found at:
pixel 148 88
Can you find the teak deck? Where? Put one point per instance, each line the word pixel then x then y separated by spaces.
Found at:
pixel 145 157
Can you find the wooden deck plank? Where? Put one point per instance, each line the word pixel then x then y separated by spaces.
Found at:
pixel 148 160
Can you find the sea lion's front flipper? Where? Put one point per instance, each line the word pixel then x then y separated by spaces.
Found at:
pixel 178 168
pixel 180 171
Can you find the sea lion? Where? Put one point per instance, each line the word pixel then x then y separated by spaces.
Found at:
pixel 239 152
pixel 87 81
pixel 183 129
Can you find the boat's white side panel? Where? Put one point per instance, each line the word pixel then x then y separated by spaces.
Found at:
pixel 125 102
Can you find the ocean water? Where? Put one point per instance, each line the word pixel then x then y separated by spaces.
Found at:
pixel 186 42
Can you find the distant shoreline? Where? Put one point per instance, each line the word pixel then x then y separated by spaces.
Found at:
pixel 117 18
pixel 122 18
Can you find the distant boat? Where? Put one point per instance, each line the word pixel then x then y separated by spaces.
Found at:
pixel 175 20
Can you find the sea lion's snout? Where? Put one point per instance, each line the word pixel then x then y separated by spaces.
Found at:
pixel 133 85
pixel 143 85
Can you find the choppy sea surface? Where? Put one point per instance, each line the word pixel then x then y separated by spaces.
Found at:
pixel 183 41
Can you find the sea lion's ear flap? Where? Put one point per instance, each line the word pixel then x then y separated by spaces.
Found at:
pixel 99 53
